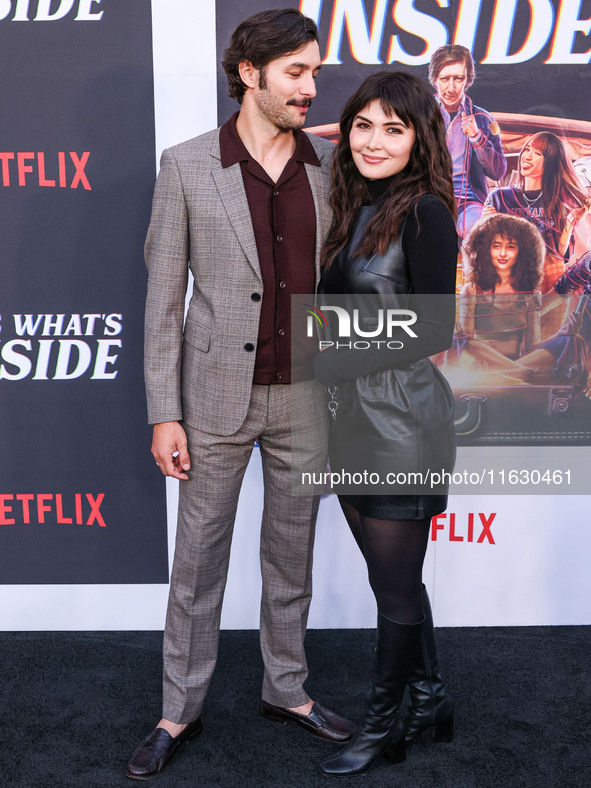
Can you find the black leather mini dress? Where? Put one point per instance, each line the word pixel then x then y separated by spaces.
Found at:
pixel 394 411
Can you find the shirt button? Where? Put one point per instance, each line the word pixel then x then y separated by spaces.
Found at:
pixel 280 238
pixel 282 284
pixel 275 194
pixel 255 297
pixel 279 376
pixel 249 347
pixel 281 332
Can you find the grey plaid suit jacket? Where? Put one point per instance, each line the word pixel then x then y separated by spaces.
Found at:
pixel 202 374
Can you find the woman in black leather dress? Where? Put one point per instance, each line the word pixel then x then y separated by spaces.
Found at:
pixel 393 235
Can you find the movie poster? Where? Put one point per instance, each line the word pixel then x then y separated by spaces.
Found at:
pixel 519 134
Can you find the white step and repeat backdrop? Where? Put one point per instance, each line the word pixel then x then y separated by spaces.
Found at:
pixel 492 560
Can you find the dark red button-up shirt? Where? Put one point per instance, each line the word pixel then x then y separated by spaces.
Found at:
pixel 284 223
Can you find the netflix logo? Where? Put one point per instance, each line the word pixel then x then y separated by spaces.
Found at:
pixel 51 509
pixel 60 170
pixel 475 528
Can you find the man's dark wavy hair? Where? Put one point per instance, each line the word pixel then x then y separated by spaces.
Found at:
pixel 263 37
pixel 527 272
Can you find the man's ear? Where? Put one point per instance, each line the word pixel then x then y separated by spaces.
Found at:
pixel 248 73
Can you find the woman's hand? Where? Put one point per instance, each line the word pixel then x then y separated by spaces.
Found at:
pixel 577 214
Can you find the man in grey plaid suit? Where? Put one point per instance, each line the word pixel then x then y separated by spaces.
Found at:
pixel 245 208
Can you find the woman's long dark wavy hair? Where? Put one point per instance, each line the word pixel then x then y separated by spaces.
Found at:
pixel 561 189
pixel 429 170
pixel 527 272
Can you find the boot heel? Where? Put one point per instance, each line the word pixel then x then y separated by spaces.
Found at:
pixel 444 731
pixel 396 753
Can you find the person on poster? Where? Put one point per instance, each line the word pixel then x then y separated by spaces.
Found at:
pixel 473 135
pixel 245 207
pixel 582 231
pixel 548 194
pixel 499 314
pixel 577 278
pixel 393 236
pixel 499 324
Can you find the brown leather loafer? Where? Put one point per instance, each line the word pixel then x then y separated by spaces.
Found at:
pixel 320 722
pixel 155 752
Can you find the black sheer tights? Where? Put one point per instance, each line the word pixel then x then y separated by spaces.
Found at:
pixel 394 551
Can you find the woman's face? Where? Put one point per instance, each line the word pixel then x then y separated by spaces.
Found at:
pixel 531 163
pixel 503 253
pixel 380 144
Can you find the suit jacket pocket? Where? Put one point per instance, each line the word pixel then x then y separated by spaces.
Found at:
pixel 197 336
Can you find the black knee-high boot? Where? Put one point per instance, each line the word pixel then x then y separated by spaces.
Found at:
pixel 382 730
pixel 431 706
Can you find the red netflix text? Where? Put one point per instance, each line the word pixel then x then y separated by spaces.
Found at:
pixel 51 508
pixel 475 528
pixel 61 170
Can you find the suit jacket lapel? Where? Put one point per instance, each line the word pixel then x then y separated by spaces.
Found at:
pixel 233 196
pixel 318 185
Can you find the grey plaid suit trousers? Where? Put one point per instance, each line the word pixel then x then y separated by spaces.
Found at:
pixel 207 508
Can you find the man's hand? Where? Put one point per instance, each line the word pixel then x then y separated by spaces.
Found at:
pixel 169 447
pixel 469 126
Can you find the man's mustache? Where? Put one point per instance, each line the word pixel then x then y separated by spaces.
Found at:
pixel 299 102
